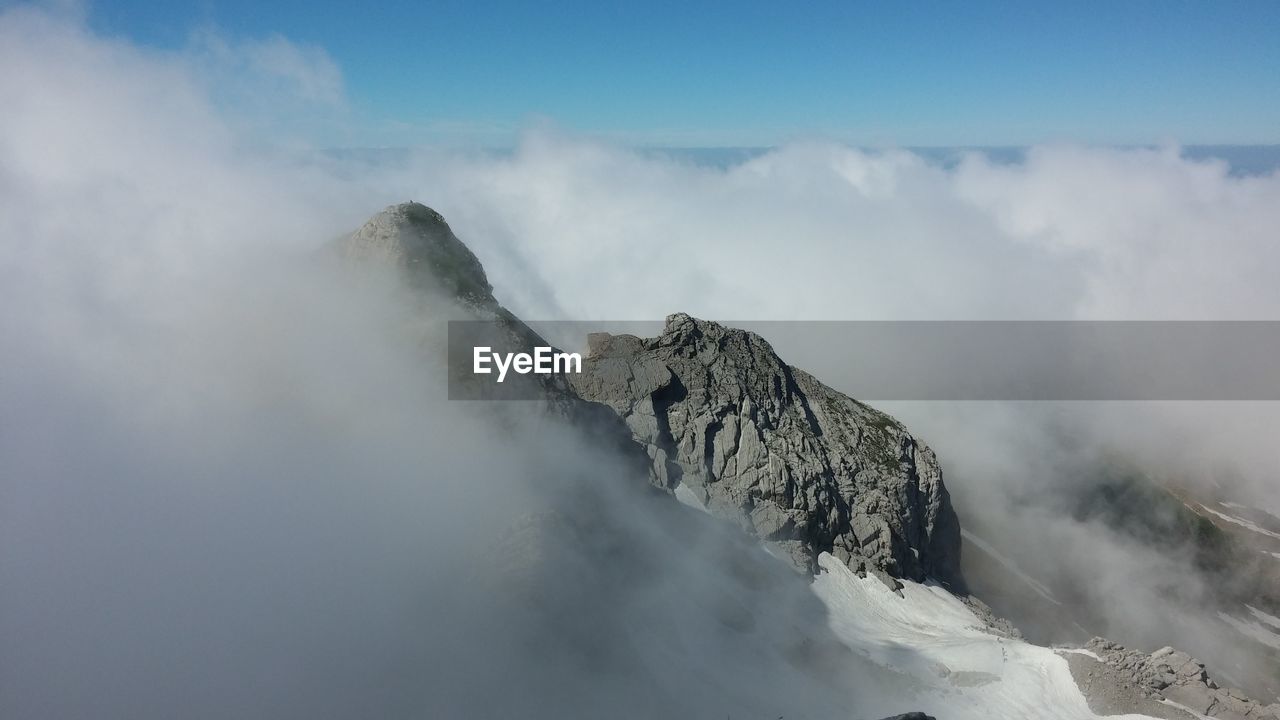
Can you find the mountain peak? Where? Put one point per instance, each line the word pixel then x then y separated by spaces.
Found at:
pixel 717 415
pixel 417 239
pixel 796 463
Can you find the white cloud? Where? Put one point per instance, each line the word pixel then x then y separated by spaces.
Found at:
pixel 280 65
pixel 826 231
pixel 232 483
pixel 170 368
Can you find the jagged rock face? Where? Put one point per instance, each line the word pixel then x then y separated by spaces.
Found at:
pixel 1174 675
pixel 793 461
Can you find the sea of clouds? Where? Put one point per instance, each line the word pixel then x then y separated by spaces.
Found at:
pixel 228 475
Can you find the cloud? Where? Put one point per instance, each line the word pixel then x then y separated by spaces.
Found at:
pixel 230 481
pixel 1071 233
pixel 305 72
pixel 578 229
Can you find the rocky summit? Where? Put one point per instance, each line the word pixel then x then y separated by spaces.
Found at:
pixel 713 416
pixel 793 461
pixel 416 239
pixel 718 413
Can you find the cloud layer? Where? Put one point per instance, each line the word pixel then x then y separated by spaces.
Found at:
pixel 229 473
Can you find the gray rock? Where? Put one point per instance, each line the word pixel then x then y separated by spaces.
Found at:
pixel 994 623
pixel 1198 697
pixel 1176 676
pixel 416 239
pixel 770 447
pixel 1110 690
pixel 442 271
pixel 792 461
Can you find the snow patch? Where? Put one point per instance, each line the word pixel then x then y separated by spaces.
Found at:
pixel 1247 524
pixel 1271 620
pixel 939 649
pixel 1081 651
pixel 1238 506
pixel 1253 630
pixel 688 497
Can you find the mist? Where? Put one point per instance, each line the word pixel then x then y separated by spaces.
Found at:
pixel 230 483
pixel 233 485
pixel 578 229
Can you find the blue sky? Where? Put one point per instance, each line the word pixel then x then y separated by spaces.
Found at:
pixel 759 73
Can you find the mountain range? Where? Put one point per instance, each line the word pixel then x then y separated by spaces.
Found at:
pixel 816 541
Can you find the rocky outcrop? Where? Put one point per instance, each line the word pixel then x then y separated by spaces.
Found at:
pixel 714 414
pixel 791 460
pixel 418 241
pixel 1169 674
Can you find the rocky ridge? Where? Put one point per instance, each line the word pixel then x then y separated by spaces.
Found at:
pixel 714 411
pixel 443 271
pixel 761 443
pixel 768 446
pixel 1133 681
pixel 418 241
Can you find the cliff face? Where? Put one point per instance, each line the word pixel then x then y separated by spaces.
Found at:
pixel 789 459
pixel 715 410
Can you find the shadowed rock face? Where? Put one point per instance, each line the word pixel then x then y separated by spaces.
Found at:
pixel 793 461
